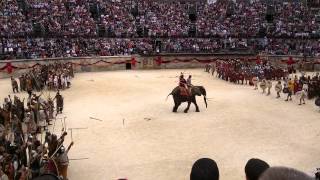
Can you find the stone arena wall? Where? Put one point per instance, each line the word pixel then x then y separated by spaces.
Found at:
pixel 164 61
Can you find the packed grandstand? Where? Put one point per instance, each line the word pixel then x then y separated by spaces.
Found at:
pixel 73 28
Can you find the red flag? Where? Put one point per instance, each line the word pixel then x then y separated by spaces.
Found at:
pixel 258 61
pixel 290 61
pixel 159 61
pixel 133 61
pixel 9 67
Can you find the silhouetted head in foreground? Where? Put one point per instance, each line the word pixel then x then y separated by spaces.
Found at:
pixel 254 168
pixel 284 173
pixel 204 169
pixel 47 177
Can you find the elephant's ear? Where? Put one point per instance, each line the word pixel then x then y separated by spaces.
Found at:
pixel 196 91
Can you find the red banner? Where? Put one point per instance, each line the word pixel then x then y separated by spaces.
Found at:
pixel 133 62
pixel 290 61
pixel 159 61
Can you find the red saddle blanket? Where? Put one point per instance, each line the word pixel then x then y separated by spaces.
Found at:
pixel 184 91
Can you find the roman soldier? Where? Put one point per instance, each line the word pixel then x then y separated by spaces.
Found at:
pixel 14 84
pixel 213 69
pixel 59 100
pixel 21 82
pixel 50 107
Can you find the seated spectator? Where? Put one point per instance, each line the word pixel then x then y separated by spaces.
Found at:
pixel 254 168
pixel 204 169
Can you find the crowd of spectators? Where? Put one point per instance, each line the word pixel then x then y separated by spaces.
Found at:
pixel 31 48
pixel 38 28
pixel 159 18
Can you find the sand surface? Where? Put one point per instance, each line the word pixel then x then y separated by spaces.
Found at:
pixel 139 138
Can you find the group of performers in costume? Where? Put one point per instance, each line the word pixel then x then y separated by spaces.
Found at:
pixel 53 77
pixel 263 74
pixel 24 152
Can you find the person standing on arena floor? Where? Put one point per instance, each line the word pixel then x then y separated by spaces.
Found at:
pixel 213 68
pixel 14 84
pixel 269 86
pixel 278 88
pixel 263 86
pixel 290 90
pixel 59 102
pixel 255 82
pixel 303 94
pixel 21 79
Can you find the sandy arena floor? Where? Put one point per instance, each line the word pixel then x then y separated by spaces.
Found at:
pixel 154 143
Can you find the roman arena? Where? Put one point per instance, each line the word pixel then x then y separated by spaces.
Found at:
pixel 133 134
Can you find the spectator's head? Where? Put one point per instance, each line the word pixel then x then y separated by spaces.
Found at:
pixel 254 168
pixel 284 173
pixel 204 169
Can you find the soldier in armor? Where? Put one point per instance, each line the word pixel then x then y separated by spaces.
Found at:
pixel 59 102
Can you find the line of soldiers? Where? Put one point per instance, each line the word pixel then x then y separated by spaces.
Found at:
pixel 243 72
pixel 263 74
pixel 24 154
pixel 53 77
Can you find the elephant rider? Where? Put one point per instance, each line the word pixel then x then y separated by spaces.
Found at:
pixel 183 86
pixel 189 84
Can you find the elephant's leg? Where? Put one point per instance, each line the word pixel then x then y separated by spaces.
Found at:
pixel 195 104
pixel 175 108
pixel 187 109
pixel 176 105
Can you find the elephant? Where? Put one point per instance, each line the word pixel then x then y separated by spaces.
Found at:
pixel 195 91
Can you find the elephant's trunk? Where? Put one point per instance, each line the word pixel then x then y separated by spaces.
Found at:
pixel 204 93
pixel 205 101
pixel 168 96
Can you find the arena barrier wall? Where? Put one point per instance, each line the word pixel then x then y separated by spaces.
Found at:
pixel 163 61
